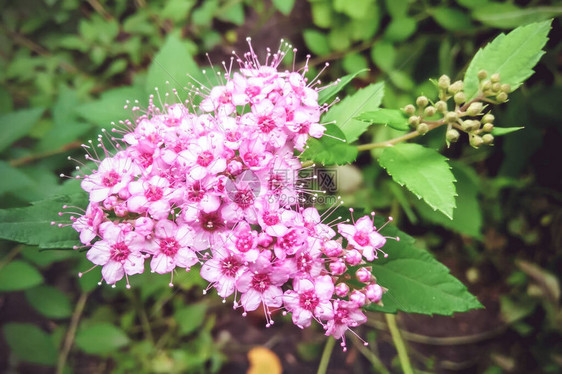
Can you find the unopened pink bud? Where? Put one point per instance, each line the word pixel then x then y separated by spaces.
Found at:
pixel 353 257
pixel 374 292
pixel 333 248
pixel 110 202
pixel 264 240
pixel 338 267
pixel 234 167
pixel 358 298
pixel 341 290
pixel 363 275
pixel 144 226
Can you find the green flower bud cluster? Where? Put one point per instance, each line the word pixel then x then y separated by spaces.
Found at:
pixel 457 112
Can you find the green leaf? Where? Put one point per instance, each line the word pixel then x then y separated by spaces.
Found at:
pixel 368 98
pixel 316 41
pixel 423 171
pixel 507 15
pixel 472 4
pixel 16 125
pixel 400 29
pixel 101 339
pixel 18 275
pixel 110 107
pixel 328 150
pixel 383 55
pixel 32 224
pixel 333 88
pixel 49 301
pixel 172 64
pixel 468 214
pixel 499 131
pixel 190 318
pixel 513 56
pixel 388 117
pixel 397 8
pixel 322 13
pixel 30 343
pixel 354 62
pixel 284 6
pixel 232 12
pixel 417 282
pixel 13 179
pixel 451 18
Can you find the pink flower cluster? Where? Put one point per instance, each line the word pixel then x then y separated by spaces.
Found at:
pixel 219 186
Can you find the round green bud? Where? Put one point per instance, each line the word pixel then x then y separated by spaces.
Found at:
pixel 502 97
pixel 444 82
pixel 475 141
pixel 474 109
pixel 429 111
pixel 451 117
pixel 409 109
pixel 455 87
pixel 488 127
pixel 441 106
pixel 488 138
pixel 414 121
pixel 470 125
pixel 452 135
pixel 422 101
pixel 423 128
pixel 482 74
pixel 486 85
pixel 496 87
pixel 506 88
pixel 459 97
pixel 495 78
pixel 488 118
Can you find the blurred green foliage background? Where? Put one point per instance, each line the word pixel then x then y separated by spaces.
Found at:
pixel 68 66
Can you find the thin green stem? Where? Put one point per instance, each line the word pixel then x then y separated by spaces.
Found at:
pixel 69 338
pixel 10 256
pixel 326 354
pixel 399 344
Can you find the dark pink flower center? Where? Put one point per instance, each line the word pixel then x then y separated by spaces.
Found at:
pixel 252 159
pixel 210 222
pixel 276 182
pixel 153 193
pixel 266 124
pixel 233 136
pixel 244 198
pixel 245 242
pixel 261 282
pixel 195 194
pixel 225 98
pixel 205 158
pixel 291 239
pixel 308 300
pixel 111 179
pixel 361 238
pixel 340 316
pixel 252 91
pixel 270 219
pixel 119 252
pixel 229 266
pixel 169 246
pixel 304 263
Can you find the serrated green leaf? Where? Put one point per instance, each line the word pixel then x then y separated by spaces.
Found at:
pixel 16 125
pixel 423 171
pixel 101 339
pixel 451 18
pixel 388 117
pixel 316 41
pixel 49 301
pixel 507 15
pixel 513 56
pixel 368 98
pixel 417 282
pixel 32 224
pixel 110 107
pixel 172 64
pixel 329 150
pixel 190 318
pixel 18 275
pixel 284 6
pixel 467 217
pixel 30 344
pixel 333 88
pixel 499 131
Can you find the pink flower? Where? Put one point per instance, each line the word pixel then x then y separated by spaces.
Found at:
pixel 152 196
pixel 262 286
pixel 87 225
pixel 222 271
pixel 173 247
pixel 346 315
pixel 118 252
pixel 363 236
pixel 112 175
pixel 310 299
